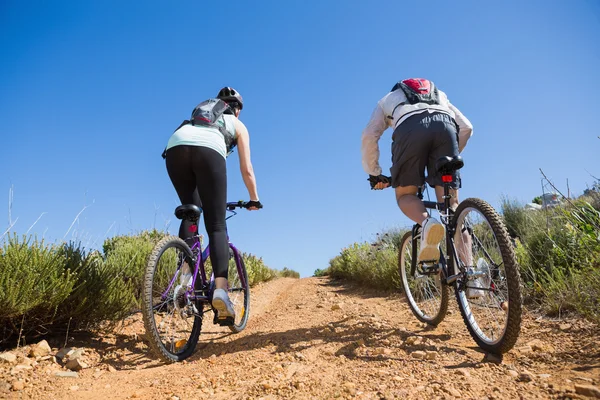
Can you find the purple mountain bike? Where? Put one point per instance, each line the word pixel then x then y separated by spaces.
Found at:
pixel 177 292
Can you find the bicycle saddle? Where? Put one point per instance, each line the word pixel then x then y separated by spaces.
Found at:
pixel 447 165
pixel 190 212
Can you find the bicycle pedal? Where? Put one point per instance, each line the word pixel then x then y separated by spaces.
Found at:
pixel 227 321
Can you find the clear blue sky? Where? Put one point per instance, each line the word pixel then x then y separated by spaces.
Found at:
pixel 90 91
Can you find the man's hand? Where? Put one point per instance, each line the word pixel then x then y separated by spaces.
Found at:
pixel 253 205
pixel 379 182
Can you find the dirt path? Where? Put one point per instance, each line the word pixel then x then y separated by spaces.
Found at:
pixel 315 339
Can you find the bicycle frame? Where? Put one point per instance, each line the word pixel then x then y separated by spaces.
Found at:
pixel 448 265
pixel 200 256
pixel 448 261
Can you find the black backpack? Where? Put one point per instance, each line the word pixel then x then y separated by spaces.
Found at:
pixel 210 113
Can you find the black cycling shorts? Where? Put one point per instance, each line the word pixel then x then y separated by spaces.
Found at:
pixel 418 142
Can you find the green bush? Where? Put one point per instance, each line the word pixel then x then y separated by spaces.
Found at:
pixel 321 272
pixel 372 264
pixel 126 257
pixel 559 254
pixel 521 222
pixel 34 281
pixel 558 251
pixel 564 291
pixel 257 270
pixel 100 293
pixel 289 273
pixel 47 288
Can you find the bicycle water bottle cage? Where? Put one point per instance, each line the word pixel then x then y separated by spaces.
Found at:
pixel 189 212
pixel 449 165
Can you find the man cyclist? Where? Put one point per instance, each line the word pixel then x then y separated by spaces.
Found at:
pixel 426 127
pixel 196 156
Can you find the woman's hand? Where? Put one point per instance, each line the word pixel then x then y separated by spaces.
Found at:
pixel 254 205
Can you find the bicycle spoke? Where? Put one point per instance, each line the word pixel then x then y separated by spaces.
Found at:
pixel 239 292
pixel 426 295
pixel 481 294
pixel 170 309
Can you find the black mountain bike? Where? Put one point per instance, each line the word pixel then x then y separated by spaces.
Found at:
pixel 477 259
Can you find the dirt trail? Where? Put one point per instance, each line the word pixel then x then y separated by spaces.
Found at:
pixel 316 339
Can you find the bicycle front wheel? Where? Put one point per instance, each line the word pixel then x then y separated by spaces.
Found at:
pixel 239 291
pixel 489 289
pixel 427 296
pixel 171 319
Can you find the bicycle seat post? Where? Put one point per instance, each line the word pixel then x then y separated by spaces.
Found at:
pixel 420 192
pixel 447 196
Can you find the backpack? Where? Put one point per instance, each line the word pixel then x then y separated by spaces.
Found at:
pixel 418 90
pixel 210 113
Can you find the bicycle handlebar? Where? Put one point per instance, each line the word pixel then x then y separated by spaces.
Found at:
pixel 237 204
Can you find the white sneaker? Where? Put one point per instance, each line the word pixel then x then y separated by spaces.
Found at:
pixel 222 304
pixel 432 234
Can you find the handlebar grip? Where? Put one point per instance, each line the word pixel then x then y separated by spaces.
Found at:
pixel 242 204
pixel 252 203
pixel 237 204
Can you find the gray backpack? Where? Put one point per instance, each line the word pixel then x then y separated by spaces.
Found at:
pixel 210 113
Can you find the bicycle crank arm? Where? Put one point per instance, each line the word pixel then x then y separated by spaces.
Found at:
pixel 481 288
pixel 452 278
pixel 474 275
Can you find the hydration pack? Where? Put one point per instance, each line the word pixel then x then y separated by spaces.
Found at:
pixel 418 90
pixel 209 113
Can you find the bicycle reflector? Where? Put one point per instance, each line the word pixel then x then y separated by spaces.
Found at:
pixel 447 178
pixel 193 228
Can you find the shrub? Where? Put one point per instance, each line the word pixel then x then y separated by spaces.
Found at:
pixel 372 264
pixel 321 272
pixel 34 281
pixel 288 273
pixel 561 291
pixel 559 254
pixel 126 257
pixel 257 270
pixel 558 251
pixel 47 288
pixel 100 293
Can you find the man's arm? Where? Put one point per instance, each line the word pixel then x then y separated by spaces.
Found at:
pixel 465 129
pixel 370 141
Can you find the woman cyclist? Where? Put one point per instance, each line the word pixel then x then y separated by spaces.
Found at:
pixel 196 163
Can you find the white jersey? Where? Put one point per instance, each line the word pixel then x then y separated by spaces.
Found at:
pixel 205 136
pixel 387 114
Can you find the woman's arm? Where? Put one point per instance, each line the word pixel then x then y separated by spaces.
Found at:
pixel 243 144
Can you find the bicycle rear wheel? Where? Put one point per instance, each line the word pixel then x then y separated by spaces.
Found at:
pixel 239 292
pixel 427 296
pixel 171 319
pixel 489 290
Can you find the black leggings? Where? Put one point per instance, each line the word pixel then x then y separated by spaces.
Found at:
pixel 199 175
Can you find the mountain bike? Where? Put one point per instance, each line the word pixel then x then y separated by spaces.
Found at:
pixel 177 293
pixel 477 259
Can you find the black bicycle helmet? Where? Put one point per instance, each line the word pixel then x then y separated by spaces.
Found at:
pixel 230 95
